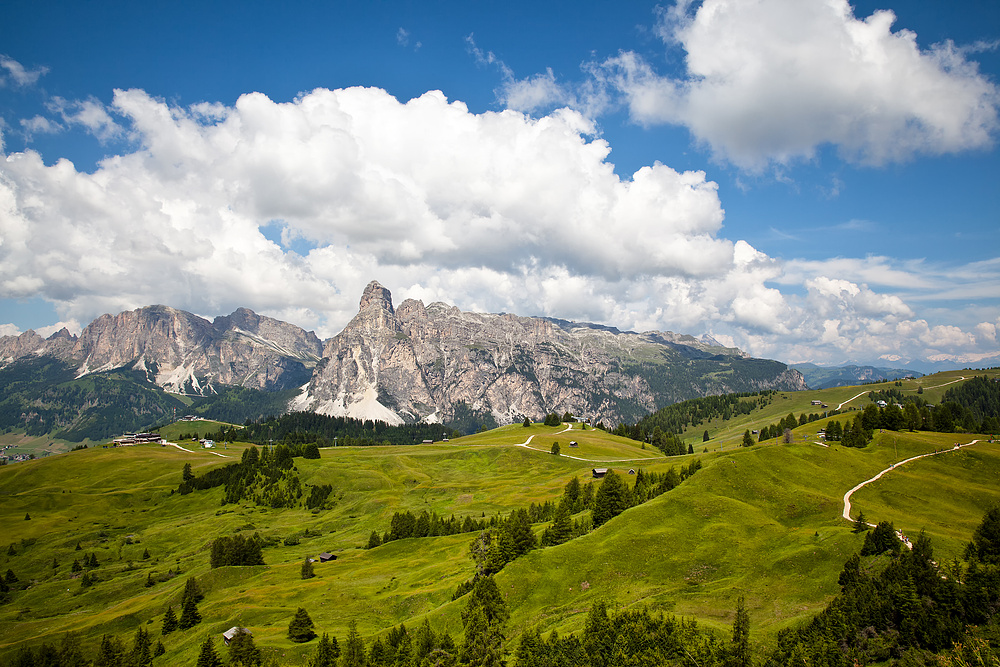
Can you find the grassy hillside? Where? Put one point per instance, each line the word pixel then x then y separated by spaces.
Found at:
pixel 764 522
pixel 727 434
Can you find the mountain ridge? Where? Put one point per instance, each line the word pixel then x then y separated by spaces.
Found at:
pixel 415 362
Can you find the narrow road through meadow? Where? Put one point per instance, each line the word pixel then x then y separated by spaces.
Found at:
pixel 847 496
pixel 527 445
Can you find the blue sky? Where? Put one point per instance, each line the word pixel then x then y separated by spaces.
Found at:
pixel 810 181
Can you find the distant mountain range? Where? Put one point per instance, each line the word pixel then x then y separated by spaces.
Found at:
pixel 824 377
pixel 430 363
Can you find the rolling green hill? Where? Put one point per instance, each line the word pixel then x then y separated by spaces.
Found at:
pixel 763 522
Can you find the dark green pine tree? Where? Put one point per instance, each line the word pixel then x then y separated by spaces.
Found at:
pixel 169 621
pixel 111 652
pixel 354 648
pixel 327 652
pixel 985 544
pixel 191 589
pixel 190 616
pixel 598 635
pixel 243 651
pixel 748 439
pixel 71 651
pixel 207 657
pixel 740 655
pixel 561 528
pixel 485 622
pixel 860 524
pixel 611 499
pixel 307 569
pixel 142 649
pixel 374 541
pixel 300 629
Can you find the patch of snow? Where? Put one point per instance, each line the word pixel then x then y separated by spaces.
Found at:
pixel 301 401
pixel 369 408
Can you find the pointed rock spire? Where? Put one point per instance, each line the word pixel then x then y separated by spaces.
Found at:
pixel 375 294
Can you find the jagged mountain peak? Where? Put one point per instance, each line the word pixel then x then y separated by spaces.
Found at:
pixel 437 362
pixel 377 296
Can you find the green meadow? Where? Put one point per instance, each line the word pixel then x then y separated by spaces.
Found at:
pixel 763 522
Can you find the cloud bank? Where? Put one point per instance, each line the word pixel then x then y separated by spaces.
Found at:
pixel 495 212
pixel 770 82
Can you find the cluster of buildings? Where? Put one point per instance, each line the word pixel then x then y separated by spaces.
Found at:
pixel 130 439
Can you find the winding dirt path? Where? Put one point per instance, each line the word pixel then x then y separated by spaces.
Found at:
pixel 191 451
pixel 847 496
pixel 527 445
pixel 852 398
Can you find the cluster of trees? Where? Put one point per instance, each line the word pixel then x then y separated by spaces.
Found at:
pixel 265 477
pixel 236 550
pixel 972 407
pixel 554 419
pixel 897 604
pixel 507 539
pixel 787 424
pixel 399 648
pixel 678 417
pixel 300 428
pixel 978 404
pixel 855 434
pixel 667 442
pixel 112 652
pixel 633 637
pixel 426 524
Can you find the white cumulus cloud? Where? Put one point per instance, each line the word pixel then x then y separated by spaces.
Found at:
pixel 771 81
pixel 494 212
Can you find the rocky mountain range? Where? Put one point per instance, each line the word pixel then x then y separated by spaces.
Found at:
pixel 431 363
pixel 181 352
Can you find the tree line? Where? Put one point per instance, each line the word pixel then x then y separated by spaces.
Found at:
pixel 299 428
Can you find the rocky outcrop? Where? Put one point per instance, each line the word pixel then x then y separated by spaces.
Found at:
pixel 183 352
pixel 428 363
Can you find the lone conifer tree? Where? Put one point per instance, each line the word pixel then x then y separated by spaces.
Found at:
pixel 741 656
pixel 169 621
pixel 300 629
pixel 189 611
pixel 208 657
pixel 860 524
pixel 307 569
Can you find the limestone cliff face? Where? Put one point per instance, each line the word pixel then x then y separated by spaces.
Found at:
pixel 429 362
pixel 181 351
